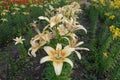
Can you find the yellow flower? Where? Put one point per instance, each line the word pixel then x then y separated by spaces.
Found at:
pixel 112 17
pixel 105 54
pixel 102 2
pixel 107 13
pixel 116 7
pixel 58 56
pixel 18 40
pixel 116 33
pixel 112 28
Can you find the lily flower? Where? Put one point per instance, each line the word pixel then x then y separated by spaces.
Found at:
pixel 38 41
pixel 72 25
pixel 18 40
pixel 73 44
pixel 58 56
pixel 4 20
pixel 53 20
pixel 62 30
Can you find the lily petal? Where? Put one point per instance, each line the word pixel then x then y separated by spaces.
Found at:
pixel 78 54
pixel 52 24
pixel 57 68
pixel 58 47
pixel 49 50
pixel 82 49
pixel 43 18
pixel 32 52
pixel 29 51
pixel 69 61
pixel 78 44
pixel 44 59
pixel 81 27
pixel 68 50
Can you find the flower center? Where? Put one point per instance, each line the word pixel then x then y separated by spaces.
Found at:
pixel 58 55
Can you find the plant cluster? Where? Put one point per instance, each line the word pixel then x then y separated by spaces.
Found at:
pixel 58 38
pixel 104 39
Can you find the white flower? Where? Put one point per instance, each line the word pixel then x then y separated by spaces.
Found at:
pixel 18 40
pixel 58 56
pixel 4 20
pixel 4 12
pixel 17 9
pixel 26 13
pixel 22 6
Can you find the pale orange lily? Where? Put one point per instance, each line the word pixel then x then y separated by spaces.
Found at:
pixel 53 20
pixel 58 56
pixel 73 44
pixel 62 30
pixel 39 40
pixel 73 25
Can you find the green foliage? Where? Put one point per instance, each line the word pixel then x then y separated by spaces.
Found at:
pixel 102 47
pixel 18 21
pixel 49 73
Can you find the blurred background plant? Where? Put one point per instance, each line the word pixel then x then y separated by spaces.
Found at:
pixel 103 38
